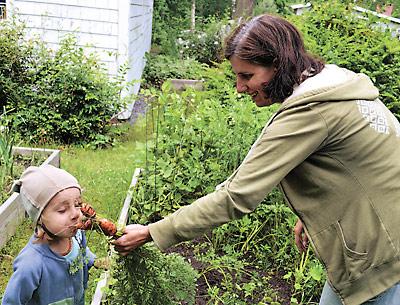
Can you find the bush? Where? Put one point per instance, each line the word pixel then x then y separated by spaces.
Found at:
pixel 63 96
pixel 159 68
pixel 332 31
pixel 204 45
pixel 148 277
pixel 192 150
pixel 7 140
pixel 170 17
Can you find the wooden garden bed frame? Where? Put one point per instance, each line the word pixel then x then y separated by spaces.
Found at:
pixel 123 218
pixel 183 84
pixel 11 211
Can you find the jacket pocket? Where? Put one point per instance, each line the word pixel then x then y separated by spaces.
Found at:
pixel 352 245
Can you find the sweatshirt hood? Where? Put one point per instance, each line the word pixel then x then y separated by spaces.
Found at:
pixel 333 84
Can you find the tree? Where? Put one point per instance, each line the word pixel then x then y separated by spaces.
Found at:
pixel 243 8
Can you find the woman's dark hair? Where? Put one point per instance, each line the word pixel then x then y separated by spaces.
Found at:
pixel 272 41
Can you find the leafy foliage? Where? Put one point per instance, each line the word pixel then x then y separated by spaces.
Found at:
pixel 159 68
pixel 187 159
pixel 339 36
pixel 63 96
pixel 199 139
pixel 7 139
pixel 171 17
pixel 148 277
pixel 205 43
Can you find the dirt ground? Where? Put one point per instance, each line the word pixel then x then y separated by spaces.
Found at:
pixel 275 281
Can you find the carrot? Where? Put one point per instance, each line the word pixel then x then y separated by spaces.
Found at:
pixel 107 226
pixel 85 224
pixel 91 221
pixel 88 211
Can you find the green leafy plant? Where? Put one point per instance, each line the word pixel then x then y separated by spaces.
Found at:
pixel 332 31
pixel 186 159
pixel 161 68
pixel 170 17
pixel 62 96
pixel 7 139
pixel 307 275
pixel 148 277
pixel 203 44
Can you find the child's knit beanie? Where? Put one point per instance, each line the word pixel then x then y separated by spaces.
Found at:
pixel 38 185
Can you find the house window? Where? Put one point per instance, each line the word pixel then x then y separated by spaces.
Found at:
pixel 2 9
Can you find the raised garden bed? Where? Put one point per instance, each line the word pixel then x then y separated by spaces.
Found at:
pixel 123 218
pixel 11 211
pixel 182 84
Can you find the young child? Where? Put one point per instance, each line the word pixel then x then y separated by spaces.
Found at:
pixel 53 266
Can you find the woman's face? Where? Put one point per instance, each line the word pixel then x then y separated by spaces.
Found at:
pixel 251 79
pixel 63 212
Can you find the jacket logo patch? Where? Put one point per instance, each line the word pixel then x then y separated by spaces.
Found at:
pixel 375 114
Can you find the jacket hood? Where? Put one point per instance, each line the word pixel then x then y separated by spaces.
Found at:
pixel 333 84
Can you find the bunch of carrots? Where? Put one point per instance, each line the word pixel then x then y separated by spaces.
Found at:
pixel 91 221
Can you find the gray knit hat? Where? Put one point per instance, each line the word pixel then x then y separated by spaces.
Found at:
pixel 38 185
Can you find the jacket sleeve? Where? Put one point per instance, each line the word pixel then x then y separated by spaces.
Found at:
pixel 289 139
pixel 24 281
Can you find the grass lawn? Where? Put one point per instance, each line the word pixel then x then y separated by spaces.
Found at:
pixel 104 175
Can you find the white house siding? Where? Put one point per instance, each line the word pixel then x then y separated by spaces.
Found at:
pixel 139 33
pixel 119 31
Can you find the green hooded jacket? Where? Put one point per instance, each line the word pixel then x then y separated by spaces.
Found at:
pixel 334 150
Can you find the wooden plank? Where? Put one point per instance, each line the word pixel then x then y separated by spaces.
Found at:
pixel 11 211
pixel 123 217
pixel 54 159
pixel 98 294
pixel 11 215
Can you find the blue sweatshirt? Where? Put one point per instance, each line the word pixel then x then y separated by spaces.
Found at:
pixel 42 277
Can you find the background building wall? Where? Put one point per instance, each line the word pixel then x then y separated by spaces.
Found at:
pixel 119 31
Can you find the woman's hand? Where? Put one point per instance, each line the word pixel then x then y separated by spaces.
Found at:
pixel 300 236
pixel 134 236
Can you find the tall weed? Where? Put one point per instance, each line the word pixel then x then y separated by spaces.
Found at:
pixel 7 139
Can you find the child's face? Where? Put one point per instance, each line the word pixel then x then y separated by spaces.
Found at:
pixel 63 213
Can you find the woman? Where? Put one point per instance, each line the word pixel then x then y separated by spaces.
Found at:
pixel 334 150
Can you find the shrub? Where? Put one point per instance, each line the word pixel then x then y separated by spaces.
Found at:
pixel 192 150
pixel 64 96
pixel 7 140
pixel 148 277
pixel 159 68
pixel 204 45
pixel 170 17
pixel 339 36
